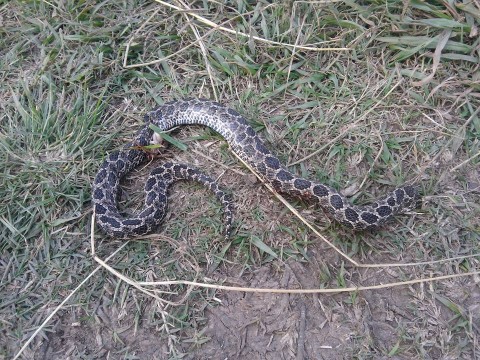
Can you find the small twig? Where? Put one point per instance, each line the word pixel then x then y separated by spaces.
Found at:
pixel 329 243
pixel 464 162
pixel 202 49
pixel 301 333
pixel 134 283
pixel 239 172
pixel 213 29
pixel 296 213
pixel 308 291
pixel 235 32
pixel 292 55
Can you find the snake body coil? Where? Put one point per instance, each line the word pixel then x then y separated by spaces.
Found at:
pixel 246 143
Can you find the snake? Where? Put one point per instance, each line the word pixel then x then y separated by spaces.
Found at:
pixel 246 143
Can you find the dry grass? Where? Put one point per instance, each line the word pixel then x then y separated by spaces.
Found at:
pixel 400 105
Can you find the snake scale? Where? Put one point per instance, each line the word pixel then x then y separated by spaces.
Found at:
pixel 245 143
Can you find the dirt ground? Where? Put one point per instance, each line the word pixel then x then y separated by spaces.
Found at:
pixel 358 325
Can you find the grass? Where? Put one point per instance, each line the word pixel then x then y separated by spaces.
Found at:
pixel 66 101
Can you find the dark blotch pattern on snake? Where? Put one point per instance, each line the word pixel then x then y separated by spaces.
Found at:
pixel 245 143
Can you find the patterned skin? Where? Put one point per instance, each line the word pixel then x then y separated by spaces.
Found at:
pixel 245 143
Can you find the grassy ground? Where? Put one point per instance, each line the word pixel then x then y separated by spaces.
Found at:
pixel 399 100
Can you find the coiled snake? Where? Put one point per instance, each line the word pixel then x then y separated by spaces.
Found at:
pixel 244 142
